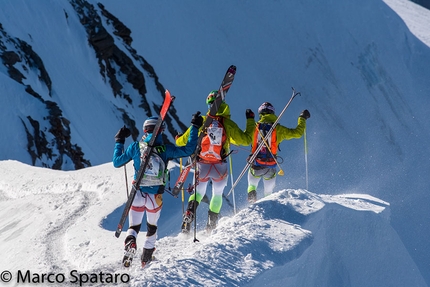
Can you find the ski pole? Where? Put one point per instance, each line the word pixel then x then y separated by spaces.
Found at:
pixel 195 198
pixel 232 182
pixel 281 172
pixel 125 174
pixel 182 189
pixel 254 155
pixel 306 159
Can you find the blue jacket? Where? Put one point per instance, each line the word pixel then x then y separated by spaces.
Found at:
pixel 170 152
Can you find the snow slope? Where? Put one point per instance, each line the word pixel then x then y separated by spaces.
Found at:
pixel 291 238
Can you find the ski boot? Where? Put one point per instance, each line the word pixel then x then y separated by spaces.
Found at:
pixel 129 250
pixel 147 257
pixel 212 221
pixel 189 216
pixel 186 222
pixel 252 196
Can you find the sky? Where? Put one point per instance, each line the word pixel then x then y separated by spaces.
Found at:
pixel 364 83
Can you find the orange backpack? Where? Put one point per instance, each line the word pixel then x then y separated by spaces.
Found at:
pixel 264 157
pixel 212 143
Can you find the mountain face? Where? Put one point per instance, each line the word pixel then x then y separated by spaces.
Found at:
pixel 50 141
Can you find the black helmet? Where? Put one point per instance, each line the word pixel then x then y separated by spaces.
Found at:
pixel 266 108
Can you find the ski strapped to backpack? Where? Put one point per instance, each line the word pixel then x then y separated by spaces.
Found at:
pixel 262 143
pixel 269 149
pixel 168 100
pixel 267 154
pixel 225 86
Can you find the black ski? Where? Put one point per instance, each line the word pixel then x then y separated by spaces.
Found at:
pixel 222 91
pixel 261 144
pixel 168 99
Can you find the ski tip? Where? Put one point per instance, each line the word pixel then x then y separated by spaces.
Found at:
pixel 295 93
pixel 232 69
pixel 169 95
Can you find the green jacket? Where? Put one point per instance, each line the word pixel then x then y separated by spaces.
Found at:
pixel 284 133
pixel 234 135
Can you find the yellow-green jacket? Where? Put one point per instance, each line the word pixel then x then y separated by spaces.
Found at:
pixel 234 135
pixel 284 133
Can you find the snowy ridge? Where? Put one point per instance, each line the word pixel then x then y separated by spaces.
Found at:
pixel 416 17
pixel 281 232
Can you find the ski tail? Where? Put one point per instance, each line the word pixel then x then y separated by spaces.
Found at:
pixel 257 150
pixel 168 100
pixel 226 83
pixel 181 179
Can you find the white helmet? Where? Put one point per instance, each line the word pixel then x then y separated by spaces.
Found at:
pixel 149 125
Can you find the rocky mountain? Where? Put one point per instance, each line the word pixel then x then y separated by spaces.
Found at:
pixel 50 141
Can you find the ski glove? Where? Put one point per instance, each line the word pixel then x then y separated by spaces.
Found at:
pixel 123 133
pixel 305 114
pixel 197 120
pixel 178 136
pixel 249 114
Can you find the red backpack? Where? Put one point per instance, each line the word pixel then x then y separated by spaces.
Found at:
pixel 212 143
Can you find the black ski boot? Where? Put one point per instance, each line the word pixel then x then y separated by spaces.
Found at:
pixel 189 216
pixel 252 196
pixel 146 257
pixel 212 221
pixel 129 250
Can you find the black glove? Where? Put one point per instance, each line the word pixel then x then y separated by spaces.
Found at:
pixel 305 114
pixel 122 134
pixel 178 136
pixel 197 120
pixel 249 114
